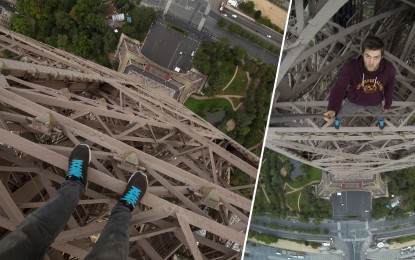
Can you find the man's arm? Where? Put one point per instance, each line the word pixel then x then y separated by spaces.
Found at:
pixel 389 89
pixel 338 91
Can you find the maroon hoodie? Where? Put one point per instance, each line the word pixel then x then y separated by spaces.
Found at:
pixel 378 85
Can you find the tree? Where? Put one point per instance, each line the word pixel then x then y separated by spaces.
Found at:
pixel 22 25
pixel 248 7
pixel 222 23
pixel 120 3
pixel 62 41
pixel 239 54
pixel 110 42
pixel 63 21
pixel 257 14
pixel 82 46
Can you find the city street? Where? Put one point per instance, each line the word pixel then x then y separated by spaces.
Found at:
pixel 352 237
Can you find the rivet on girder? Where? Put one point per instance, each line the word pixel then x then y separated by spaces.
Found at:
pixel 44 123
pixel 130 162
pixel 5 69
pixel 65 92
pixel 102 102
pixel 34 72
pixel 211 195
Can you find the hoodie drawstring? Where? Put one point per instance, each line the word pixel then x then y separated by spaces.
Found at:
pixel 363 81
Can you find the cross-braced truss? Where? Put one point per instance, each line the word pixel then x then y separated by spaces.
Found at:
pixel 51 100
pixel 322 36
pixel 357 150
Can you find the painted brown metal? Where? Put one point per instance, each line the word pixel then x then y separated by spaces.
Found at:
pixel 50 100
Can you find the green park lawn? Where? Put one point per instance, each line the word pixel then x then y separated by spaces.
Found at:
pixel 313 174
pixel 228 68
pixel 255 137
pixel 283 158
pixel 292 200
pixel 197 106
pixel 236 101
pixel 238 85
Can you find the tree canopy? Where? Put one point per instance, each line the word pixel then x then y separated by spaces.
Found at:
pixel 79 27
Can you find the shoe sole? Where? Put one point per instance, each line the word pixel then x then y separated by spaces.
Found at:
pixel 140 172
pixel 89 159
pixel 89 149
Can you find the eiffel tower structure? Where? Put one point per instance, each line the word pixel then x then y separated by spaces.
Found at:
pixel 321 37
pixel 51 100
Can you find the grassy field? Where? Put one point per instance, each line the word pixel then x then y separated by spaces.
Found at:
pixel 238 85
pixel 236 101
pixel 283 158
pixel 229 69
pixel 292 200
pixel 197 106
pixel 313 174
pixel 256 137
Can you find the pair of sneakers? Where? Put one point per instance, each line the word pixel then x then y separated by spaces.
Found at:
pixel 78 171
pixel 381 124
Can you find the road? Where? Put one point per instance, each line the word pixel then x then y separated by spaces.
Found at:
pixel 8 6
pixel 252 26
pixel 353 237
pixel 252 49
pixel 212 31
pixel 289 234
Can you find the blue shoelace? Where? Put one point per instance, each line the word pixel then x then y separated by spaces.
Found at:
pixel 76 169
pixel 132 195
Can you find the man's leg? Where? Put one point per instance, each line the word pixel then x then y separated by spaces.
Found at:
pixel 113 241
pixel 377 111
pixel 33 236
pixel 348 109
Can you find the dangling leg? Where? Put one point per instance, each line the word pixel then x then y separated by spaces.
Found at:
pixel 113 241
pixel 33 236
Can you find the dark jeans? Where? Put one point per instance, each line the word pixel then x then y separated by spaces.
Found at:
pixel 33 236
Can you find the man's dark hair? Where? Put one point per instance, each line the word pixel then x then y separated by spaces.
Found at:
pixel 373 43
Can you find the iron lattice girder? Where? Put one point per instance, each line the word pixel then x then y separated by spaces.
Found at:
pixel 58 66
pixel 358 147
pixel 115 114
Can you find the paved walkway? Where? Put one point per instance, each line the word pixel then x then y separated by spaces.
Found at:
pixel 227 97
pixel 233 77
pixel 289 245
pixel 265 193
pixel 300 188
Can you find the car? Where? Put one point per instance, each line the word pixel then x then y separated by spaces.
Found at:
pixel 225 15
pixel 269 36
pixel 278 253
pixel 193 53
pixel 234 16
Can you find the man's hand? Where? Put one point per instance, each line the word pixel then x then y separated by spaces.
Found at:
pixel 329 115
